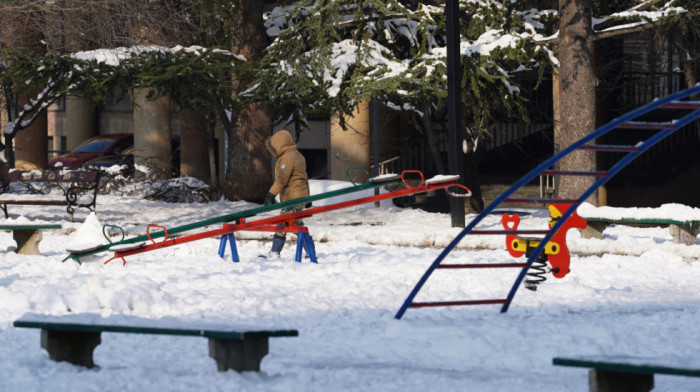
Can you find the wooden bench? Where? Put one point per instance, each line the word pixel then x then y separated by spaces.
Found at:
pixel 82 186
pixel 73 339
pixel 28 237
pixel 625 374
pixel 683 232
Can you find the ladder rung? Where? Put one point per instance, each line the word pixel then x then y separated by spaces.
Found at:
pixel 646 125
pixel 486 232
pixel 682 105
pixel 540 200
pixel 609 147
pixel 498 265
pixel 454 303
pixel 575 173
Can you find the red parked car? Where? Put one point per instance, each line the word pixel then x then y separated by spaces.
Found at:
pixel 95 147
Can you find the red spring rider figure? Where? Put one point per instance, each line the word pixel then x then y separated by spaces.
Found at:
pixel 556 250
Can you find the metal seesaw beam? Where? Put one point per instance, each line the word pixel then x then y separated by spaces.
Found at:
pixel 251 225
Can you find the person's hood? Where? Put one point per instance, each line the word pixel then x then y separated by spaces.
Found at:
pixel 280 142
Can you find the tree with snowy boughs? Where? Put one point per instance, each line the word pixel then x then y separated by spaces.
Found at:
pixel 579 28
pixel 99 75
pixel 328 56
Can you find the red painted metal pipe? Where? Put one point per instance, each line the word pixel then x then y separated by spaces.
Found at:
pixel 493 265
pixel 454 303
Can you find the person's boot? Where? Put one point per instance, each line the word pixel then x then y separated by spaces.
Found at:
pixel 277 245
pixel 271 255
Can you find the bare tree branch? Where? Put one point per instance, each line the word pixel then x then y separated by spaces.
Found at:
pixel 74 25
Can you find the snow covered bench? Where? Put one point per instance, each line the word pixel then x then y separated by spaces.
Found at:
pixel 683 221
pixel 73 338
pixel 614 374
pixel 81 189
pixel 28 236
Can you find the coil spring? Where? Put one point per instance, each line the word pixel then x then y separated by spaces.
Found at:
pixel 537 271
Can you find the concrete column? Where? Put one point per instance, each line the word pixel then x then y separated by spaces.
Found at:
pixel 350 148
pixel 71 346
pixel 31 145
pixel 239 355
pixel 79 121
pixel 27 241
pixel 152 134
pixel 194 145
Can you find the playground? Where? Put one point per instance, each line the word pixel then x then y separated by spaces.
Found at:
pixel 155 272
pixel 634 292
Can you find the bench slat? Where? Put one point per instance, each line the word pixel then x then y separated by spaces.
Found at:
pixel 216 334
pixel 31 227
pixel 34 202
pixel 627 365
pixel 644 221
pixel 53 176
pixel 81 193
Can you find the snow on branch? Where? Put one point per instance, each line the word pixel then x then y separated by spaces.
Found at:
pixel 114 57
pixel 645 15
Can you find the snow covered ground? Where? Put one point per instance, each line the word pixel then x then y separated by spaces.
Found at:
pixel 632 293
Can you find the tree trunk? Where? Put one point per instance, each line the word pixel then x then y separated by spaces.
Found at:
pixel 474 154
pixel 472 160
pixel 194 145
pixel 211 151
pixel 577 94
pixel 427 123
pixel 684 57
pixel 249 170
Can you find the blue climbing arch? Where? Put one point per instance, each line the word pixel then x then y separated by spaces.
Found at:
pixel 679 109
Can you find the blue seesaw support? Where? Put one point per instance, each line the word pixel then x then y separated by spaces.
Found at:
pixel 680 112
pixel 234 250
pixel 304 242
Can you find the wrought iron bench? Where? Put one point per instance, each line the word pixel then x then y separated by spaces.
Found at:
pixel 80 189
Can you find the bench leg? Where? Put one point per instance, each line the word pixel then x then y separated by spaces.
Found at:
pixel 684 234
pixel 239 355
pixel 594 230
pixel 27 241
pixel 608 381
pixel 70 346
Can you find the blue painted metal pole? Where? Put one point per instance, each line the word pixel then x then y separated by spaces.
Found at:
pixel 454 107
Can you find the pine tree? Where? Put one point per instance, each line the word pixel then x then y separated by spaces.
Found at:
pixel 331 55
pixel 328 56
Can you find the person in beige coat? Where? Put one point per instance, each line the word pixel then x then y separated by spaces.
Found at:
pixel 291 180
